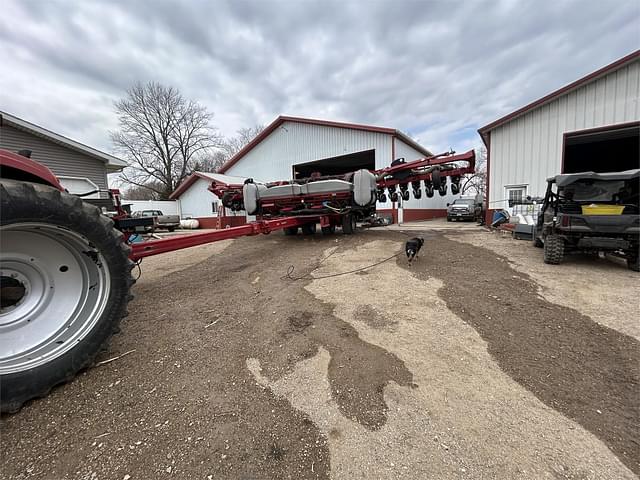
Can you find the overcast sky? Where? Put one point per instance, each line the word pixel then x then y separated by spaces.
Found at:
pixel 437 70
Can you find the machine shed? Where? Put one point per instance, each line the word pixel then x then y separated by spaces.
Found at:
pixel 294 147
pixel 592 124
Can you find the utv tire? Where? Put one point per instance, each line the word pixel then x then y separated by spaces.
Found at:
pixel 68 274
pixel 553 249
pixel 633 263
pixel 171 229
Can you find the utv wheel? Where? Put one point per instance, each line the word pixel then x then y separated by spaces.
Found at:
pixel 171 229
pixel 348 224
pixel 633 264
pixel 291 231
pixel 553 249
pixel 65 277
pixel 309 229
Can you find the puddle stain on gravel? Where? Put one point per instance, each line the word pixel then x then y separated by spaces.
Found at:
pixel 584 370
pixel 358 371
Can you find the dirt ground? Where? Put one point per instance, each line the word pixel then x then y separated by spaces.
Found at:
pixel 478 361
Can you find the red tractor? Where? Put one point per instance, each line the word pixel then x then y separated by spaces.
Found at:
pixel 65 268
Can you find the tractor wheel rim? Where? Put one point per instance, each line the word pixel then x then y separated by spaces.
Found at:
pixel 54 287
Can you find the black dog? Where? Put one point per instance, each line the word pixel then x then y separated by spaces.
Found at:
pixel 412 247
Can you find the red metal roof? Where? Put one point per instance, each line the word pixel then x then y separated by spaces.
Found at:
pixel 325 123
pixel 553 95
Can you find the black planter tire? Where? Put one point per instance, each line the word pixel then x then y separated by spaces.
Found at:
pixel 309 229
pixel 290 231
pixel 553 249
pixel 436 179
pixel 633 263
pixel 328 230
pixel 348 224
pixel 41 228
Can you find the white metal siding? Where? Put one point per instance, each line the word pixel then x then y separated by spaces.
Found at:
pixel 196 200
pixel 61 160
pixel 294 143
pixel 528 149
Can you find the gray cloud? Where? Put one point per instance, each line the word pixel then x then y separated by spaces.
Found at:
pixel 436 69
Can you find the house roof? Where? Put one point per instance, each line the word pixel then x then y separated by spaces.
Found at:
pixel 113 164
pixel 191 179
pixel 633 56
pixel 325 123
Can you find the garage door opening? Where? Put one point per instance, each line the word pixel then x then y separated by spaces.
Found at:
pixel 613 149
pixel 336 165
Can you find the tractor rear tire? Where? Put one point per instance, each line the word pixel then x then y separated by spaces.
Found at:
pixel 348 224
pixel 68 275
pixel 553 249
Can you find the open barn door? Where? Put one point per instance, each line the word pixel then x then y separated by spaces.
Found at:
pixel 336 165
pixel 610 149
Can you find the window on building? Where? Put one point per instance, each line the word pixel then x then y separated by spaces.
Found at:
pixel 516 195
pixel 214 207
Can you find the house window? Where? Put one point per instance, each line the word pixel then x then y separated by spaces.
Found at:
pixel 516 194
pixel 214 207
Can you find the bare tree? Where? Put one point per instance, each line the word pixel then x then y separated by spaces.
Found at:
pixel 228 148
pixel 136 192
pixel 162 135
pixel 477 182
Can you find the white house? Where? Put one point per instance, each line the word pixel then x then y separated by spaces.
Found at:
pixel 590 124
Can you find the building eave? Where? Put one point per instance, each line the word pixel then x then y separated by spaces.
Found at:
pixel 112 163
pixel 324 123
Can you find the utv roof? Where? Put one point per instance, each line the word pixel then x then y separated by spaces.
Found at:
pixel 569 178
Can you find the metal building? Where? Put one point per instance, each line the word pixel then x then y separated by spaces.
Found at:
pixel 293 147
pixel 79 168
pixel 590 124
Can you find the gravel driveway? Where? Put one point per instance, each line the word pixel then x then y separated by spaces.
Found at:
pixel 478 361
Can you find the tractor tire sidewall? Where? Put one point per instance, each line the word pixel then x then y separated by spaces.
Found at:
pixel 23 202
pixel 553 249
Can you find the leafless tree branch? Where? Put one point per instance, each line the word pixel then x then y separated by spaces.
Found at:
pixel 162 135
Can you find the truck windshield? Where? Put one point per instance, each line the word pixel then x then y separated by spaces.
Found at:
pixel 463 201
pixel 595 191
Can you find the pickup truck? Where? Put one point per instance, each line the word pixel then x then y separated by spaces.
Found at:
pixel 160 220
pixel 465 208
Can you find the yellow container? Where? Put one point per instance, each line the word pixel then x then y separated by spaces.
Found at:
pixel 602 209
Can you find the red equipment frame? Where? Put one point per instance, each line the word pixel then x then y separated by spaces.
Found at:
pixel 155 247
pixel 21 168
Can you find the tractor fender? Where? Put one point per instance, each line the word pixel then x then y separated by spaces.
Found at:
pixel 18 167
